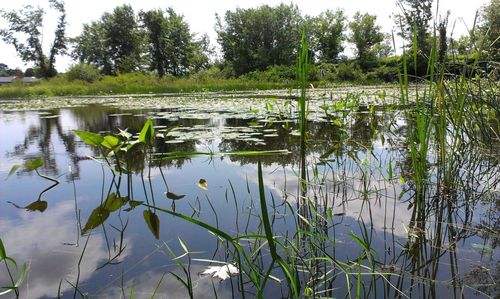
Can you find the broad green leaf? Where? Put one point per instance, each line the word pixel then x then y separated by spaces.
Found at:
pixel 203 184
pixel 90 138
pixel 147 133
pixel 13 170
pixel 153 223
pixel 174 196
pixel 113 203
pixel 34 164
pixel 110 142
pixel 39 205
pixel 96 218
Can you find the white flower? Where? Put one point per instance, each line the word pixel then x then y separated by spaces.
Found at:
pixel 222 272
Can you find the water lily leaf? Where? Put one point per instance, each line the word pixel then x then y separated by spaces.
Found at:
pixel 13 170
pixel 110 142
pixel 113 203
pixel 153 222
pixel 90 138
pixel 34 164
pixel 203 184
pixel 96 218
pixel 39 205
pixel 174 196
pixel 147 133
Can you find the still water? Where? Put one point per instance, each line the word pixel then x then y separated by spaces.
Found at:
pixel 357 173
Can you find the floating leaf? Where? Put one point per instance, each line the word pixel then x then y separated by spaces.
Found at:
pixel 110 142
pixel 97 217
pixel 174 196
pixel 153 223
pixel 147 133
pixel 90 138
pixel 39 205
pixel 113 203
pixel 203 184
pixel 34 164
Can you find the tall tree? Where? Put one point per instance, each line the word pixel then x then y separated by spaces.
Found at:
pixel 254 39
pixel 122 39
pixel 329 35
pixel 414 21
pixel 89 47
pixel 154 23
pixel 26 24
pixel 490 28
pixel 114 43
pixel 366 36
pixel 172 47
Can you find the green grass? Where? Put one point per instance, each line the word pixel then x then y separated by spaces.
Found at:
pixel 134 83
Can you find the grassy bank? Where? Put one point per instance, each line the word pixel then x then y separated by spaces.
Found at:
pixel 131 84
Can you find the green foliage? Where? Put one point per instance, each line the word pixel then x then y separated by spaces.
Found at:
pixel 490 29
pixel 84 72
pixel 257 38
pixel 329 35
pixel 414 23
pixel 172 47
pixel 114 43
pixel 27 23
pixel 367 37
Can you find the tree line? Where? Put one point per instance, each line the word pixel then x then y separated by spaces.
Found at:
pixel 255 39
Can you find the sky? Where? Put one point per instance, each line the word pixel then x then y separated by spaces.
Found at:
pixel 201 16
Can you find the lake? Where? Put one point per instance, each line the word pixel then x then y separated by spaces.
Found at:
pixel 350 210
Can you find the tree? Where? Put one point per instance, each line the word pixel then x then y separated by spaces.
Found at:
pixel 26 23
pixel 367 37
pixel 329 35
pixel 90 48
pixel 114 43
pixel 490 29
pixel 4 70
pixel 254 39
pixel 122 39
pixel 172 47
pixel 414 22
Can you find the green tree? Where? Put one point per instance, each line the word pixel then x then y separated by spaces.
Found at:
pixel 172 47
pixel 154 23
pixel 114 43
pixel 254 39
pixel 367 37
pixel 122 39
pixel 490 29
pixel 26 24
pixel 414 21
pixel 89 47
pixel 329 35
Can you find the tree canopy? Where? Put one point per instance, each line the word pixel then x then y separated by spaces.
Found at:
pixel 24 33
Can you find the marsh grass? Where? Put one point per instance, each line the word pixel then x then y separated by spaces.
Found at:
pixel 134 83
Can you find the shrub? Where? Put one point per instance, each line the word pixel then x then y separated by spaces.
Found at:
pixel 83 72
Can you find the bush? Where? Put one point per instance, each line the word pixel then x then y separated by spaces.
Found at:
pixel 83 72
pixel 348 72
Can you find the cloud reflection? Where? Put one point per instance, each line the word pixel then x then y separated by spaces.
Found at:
pixel 38 240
